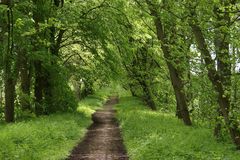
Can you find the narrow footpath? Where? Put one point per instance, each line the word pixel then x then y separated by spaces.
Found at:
pixel 103 140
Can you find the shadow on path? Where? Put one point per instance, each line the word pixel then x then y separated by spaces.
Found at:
pixel 103 140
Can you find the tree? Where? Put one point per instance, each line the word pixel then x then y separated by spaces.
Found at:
pixel 175 74
pixel 220 78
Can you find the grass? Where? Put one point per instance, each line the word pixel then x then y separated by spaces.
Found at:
pixel 48 137
pixel 152 135
pixel 88 105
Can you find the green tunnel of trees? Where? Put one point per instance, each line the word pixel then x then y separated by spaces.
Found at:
pixel 177 56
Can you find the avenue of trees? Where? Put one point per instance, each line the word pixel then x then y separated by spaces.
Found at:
pixel 177 56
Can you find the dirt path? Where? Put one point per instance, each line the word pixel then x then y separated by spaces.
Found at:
pixel 103 140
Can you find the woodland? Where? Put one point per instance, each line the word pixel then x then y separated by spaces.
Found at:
pixel 174 64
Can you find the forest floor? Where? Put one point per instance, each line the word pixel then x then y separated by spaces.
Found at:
pixel 103 140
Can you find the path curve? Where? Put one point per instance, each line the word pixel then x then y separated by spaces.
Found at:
pixel 103 140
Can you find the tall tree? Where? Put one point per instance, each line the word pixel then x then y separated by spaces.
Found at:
pixel 10 68
pixel 220 78
pixel 175 74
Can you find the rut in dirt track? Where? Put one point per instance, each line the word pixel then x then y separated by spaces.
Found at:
pixel 103 140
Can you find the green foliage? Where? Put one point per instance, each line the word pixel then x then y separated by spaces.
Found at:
pixel 88 105
pixel 62 54
pixel 113 89
pixel 157 135
pixel 62 97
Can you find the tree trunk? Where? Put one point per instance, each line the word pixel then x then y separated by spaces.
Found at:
pixel 38 88
pixel 178 112
pixel 176 80
pixel 10 73
pixel 223 59
pixel 9 99
pixel 1 95
pixel 25 75
pixel 48 76
pixel 10 79
pixel 39 70
pixel 148 95
pixel 179 94
pixel 218 125
pixel 223 100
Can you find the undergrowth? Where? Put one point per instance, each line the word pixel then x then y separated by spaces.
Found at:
pixel 152 135
pixel 48 137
